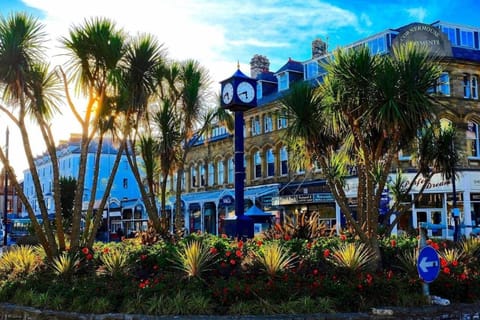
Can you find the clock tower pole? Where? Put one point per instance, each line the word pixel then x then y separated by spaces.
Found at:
pixel 238 94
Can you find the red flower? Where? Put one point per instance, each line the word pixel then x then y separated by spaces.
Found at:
pixel 326 253
pixel 389 274
pixel 343 237
pixel 309 245
pixel 238 253
pixel 143 257
pixel 89 256
pixel 315 272
pixel 155 267
pixel 463 276
pixel 85 250
pixel 213 250
pixel 240 244
pixel 393 243
pixel 106 250
pixel 369 278
pixel 446 270
pixel 443 262
pixel 232 262
pixel 287 237
pixel 223 265
pixel 228 253
pixel 454 263
pixel 259 243
pixel 224 236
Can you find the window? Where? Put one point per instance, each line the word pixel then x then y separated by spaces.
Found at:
pixel 268 123
pixel 202 175
pixel 311 69
pixel 470 86
pixel 472 140
pixel 220 172
pixel 231 170
pixel 283 161
pixel 377 45
pixel 466 38
pixel 259 90
pixel 193 176
pixel 450 32
pixel 255 124
pixel 258 165
pixel 443 84
pixel 282 120
pixel 211 174
pixel 270 163
pixel 282 81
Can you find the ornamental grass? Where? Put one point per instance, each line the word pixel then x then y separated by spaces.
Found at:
pixel 207 274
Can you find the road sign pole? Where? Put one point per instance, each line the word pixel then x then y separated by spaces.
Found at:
pixel 421 244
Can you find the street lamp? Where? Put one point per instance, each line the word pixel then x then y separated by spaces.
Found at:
pixel 238 94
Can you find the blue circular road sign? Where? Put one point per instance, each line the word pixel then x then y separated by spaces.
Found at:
pixel 428 264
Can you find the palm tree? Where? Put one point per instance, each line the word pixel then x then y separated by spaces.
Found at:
pixel 363 113
pixel 30 90
pixel 145 56
pixel 95 50
pixel 192 84
pixel 168 137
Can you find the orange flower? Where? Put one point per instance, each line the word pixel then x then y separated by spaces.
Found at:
pixel 106 250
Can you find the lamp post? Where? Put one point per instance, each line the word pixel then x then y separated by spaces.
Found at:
pixel 5 194
pixel 238 94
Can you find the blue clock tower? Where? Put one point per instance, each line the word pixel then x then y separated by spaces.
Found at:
pixel 238 94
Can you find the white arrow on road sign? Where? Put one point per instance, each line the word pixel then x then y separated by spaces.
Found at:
pixel 425 264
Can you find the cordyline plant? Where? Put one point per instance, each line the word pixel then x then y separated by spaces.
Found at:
pixel 274 258
pixel 194 259
pixel 366 110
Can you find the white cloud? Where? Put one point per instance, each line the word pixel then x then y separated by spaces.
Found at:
pixel 418 14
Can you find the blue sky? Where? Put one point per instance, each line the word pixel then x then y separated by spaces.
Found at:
pixel 218 33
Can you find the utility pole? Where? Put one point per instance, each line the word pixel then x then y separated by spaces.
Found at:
pixel 5 194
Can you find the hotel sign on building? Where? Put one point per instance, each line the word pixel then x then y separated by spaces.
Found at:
pixel 425 35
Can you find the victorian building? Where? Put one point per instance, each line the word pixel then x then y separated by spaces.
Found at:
pixel 272 184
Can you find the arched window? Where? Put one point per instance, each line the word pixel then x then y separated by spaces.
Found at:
pixel 473 145
pixel 270 163
pixel 211 174
pixel 220 172
pixel 193 176
pixel 283 161
pixel 258 165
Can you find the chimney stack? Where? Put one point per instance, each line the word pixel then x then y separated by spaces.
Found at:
pixel 319 48
pixel 258 64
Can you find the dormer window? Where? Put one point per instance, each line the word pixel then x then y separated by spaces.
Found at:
pixel 259 90
pixel 282 81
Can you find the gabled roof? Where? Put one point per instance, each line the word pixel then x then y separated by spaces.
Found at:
pixel 291 66
pixel 267 76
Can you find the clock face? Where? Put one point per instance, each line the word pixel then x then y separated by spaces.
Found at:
pixel 227 93
pixel 245 92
